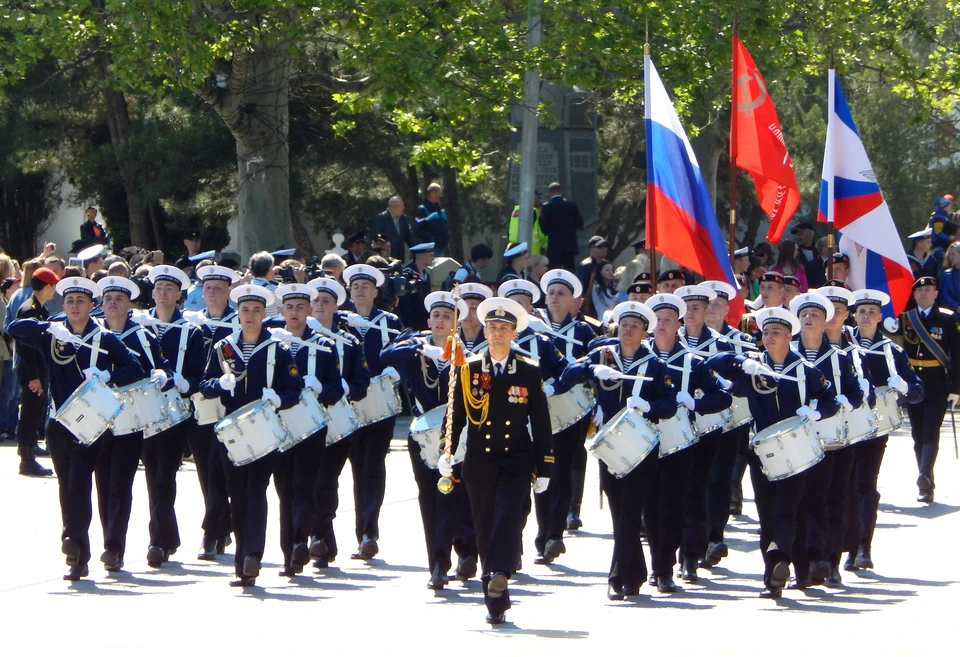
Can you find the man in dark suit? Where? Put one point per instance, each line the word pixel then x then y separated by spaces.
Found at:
pixel 559 221
pixel 393 224
pixel 91 232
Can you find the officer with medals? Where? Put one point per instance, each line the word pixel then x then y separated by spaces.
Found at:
pixel 496 396
pixel 931 338
pixel 356 379
pixel 778 385
pixel 516 258
pixel 650 393
pixel 76 351
pixel 249 367
pixel 471 330
pixel 446 518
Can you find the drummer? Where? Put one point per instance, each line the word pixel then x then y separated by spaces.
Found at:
pixel 471 330
pixel 249 368
pixel 446 518
pixel 655 398
pixel 371 443
pixel 295 470
pixel 772 399
pixel 773 294
pixel 69 367
pixel 814 535
pixel 356 379
pixel 886 364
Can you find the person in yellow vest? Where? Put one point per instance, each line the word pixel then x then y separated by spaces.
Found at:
pixel 538 240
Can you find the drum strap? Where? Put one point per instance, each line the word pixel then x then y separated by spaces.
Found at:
pixel 641 371
pixel 95 352
pixel 271 360
pixel 312 360
pixel 739 346
pixel 834 365
pixel 567 331
pixel 683 369
pixel 144 344
pixel 182 348
pixel 888 357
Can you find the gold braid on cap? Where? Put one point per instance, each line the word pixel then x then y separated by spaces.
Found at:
pixel 472 403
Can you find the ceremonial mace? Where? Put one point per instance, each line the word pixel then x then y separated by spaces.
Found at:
pixel 453 352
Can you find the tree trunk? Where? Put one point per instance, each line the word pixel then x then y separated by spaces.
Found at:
pixel 451 203
pixel 619 179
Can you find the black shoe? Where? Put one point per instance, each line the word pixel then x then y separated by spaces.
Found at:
pixel 76 571
pixel 780 575
pixel 323 562
pixel 497 619
pixel 542 559
pixel 833 580
pixel 863 558
pixel 111 560
pixel 33 469
pixel 819 572
pixel 715 552
pixel 652 580
pixel 208 549
pixel 251 566
pixel 799 583
pixel 519 565
pixel 924 497
pixel 851 563
pixel 665 584
pixel 466 568
pixel 614 591
pixel 573 523
pixel 71 548
pixel 244 582
pixel 630 591
pixel 301 555
pixel 924 483
pixel 223 543
pixel 368 549
pixel 497 585
pixel 553 549
pixel 438 578
pixel 318 548
pixel 772 594
pixel 288 571
pixel 156 556
pixel 39 451
pixel 690 569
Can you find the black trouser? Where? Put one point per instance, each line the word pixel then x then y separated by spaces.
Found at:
pixel 247 488
pixel 162 455
pixel 446 518
pixel 205 448
pixel 553 505
pixel 33 413
pixel 838 499
pixel 497 508
pixel 74 464
pixel 295 479
pixel 695 507
pixel 864 496
pixel 663 510
pixel 115 471
pixel 626 498
pixel 328 491
pixel 563 261
pixel 777 503
pixel 732 445
pixel 368 453
pixel 812 542
pixel 926 419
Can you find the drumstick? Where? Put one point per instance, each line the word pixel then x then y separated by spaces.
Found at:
pixel 226 370
pixel 360 320
pixel 634 377
pixel 81 343
pixel 303 343
pixel 558 334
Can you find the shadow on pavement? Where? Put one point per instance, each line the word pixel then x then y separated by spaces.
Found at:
pixel 89 587
pixel 560 569
pixel 509 629
pixel 872 576
pixel 935 510
pixel 322 574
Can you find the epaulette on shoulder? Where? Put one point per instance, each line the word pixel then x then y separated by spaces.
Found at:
pixel 592 320
pixel 945 311
pixel 527 360
pixel 474 358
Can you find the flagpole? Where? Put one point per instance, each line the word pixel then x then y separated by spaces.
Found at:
pixel 733 139
pixel 651 232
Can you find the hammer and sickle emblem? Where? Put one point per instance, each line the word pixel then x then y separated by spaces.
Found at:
pixel 748 103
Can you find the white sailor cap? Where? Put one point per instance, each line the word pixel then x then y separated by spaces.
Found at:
pixel 77 284
pixel 672 301
pixel 498 309
pixel 331 287
pixel 202 256
pixel 90 253
pixel 293 291
pixel 514 250
pixel 118 284
pixel 217 273
pixel 423 247
pixel 259 293
pixel 739 253
pixel 920 234
pixel 811 299
pixel 876 297
pixel 563 277
pixel 445 300
pixel 633 309
pixel 519 286
pixel 363 273
pixel 722 289
pixel 696 293
pixel 836 293
pixel 780 316
pixel 477 291
pixel 170 274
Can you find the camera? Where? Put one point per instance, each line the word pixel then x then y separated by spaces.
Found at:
pixel 401 283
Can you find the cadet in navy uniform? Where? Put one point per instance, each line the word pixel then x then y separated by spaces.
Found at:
pixel 470 329
pixel 771 400
pixel 182 346
pixel 295 470
pixel 410 306
pixel 356 380
pixel 446 518
pixel 120 455
pixel 931 338
pixel 886 364
pixel 69 366
pixel 536 345
pixel 240 372
pixel 370 444
pixel 516 257
pixel 496 395
pixel 656 399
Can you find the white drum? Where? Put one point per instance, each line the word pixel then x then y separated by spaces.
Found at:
pixel 303 420
pixel 89 411
pixel 426 432
pixel 889 413
pixel 739 414
pixel 624 442
pixel 207 411
pixel 143 407
pixel 177 410
pixel 677 433
pixel 704 424
pixel 832 431
pixel 251 432
pixel 382 401
pixel 787 448
pixel 861 424
pixel 570 407
pixel 342 421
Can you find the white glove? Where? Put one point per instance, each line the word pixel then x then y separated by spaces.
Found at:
pixel 355 320
pixel 607 373
pixel 142 317
pixel 541 485
pixel 270 395
pixel 607 316
pixel 282 335
pixel 311 382
pixel 538 324
pixel 864 387
pixel 228 382
pixel 952 400
pixel 755 367
pixel 392 373
pixel 160 376
pixel 548 389
pixel 638 403
pixel 181 383
pixel 897 383
pixel 431 351
pixel 60 332
pixel 807 412
pixel 91 372
pixel 345 386
pixel 684 397
pixel 598 417
pixel 727 385
pixel 445 466
pixel 845 403
pixel 891 325
pixel 193 316
pixel 314 323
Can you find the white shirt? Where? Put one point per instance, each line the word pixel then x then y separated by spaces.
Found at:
pixel 501 363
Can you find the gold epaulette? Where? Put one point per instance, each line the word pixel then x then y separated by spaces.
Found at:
pixel 527 360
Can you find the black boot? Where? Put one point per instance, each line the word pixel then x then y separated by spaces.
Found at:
pixel 208 549
pixel 863 558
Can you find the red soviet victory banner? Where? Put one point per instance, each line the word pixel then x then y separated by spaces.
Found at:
pixel 757 144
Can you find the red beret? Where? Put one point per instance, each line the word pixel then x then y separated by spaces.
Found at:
pixel 46 275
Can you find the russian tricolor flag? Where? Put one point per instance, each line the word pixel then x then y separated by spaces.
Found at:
pixel 681 223
pixel 850 198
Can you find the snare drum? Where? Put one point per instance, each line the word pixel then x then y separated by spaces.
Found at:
pixel 251 432
pixel 342 421
pixel 787 448
pixel 426 432
pixel 677 433
pixel 89 411
pixel 832 431
pixel 624 442
pixel 177 410
pixel 570 407
pixel 382 401
pixel 889 414
pixel 704 424
pixel 861 424
pixel 143 407
pixel 207 411
pixel 303 420
pixel 739 413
